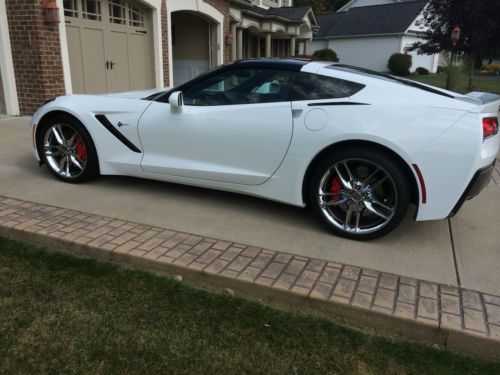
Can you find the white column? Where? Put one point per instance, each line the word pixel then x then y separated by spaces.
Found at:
pixel 239 42
pixel 7 65
pixel 268 45
pixel 233 46
pixel 292 45
pixel 306 47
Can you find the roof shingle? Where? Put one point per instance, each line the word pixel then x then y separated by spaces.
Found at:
pixel 370 20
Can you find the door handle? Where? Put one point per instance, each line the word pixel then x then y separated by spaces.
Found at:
pixel 107 65
pixel 111 64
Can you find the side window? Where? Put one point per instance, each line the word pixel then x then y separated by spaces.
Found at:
pixel 241 86
pixel 313 86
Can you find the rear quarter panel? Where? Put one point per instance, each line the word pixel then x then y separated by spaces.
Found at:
pixel 434 132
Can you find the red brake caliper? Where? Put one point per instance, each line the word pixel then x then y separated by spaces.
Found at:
pixel 80 149
pixel 336 188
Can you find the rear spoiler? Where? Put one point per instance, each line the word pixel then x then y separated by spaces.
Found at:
pixel 490 102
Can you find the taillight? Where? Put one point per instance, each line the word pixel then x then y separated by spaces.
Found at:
pixel 490 126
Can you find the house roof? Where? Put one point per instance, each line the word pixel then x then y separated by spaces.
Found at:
pixel 290 13
pixel 370 20
pixel 352 4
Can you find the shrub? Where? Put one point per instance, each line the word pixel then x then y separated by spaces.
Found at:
pixel 400 64
pixel 326 54
pixel 422 71
pixel 492 68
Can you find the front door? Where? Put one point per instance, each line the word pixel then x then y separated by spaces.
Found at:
pixel 108 46
pixel 235 127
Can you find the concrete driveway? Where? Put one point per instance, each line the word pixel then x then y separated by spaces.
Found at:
pixel 464 251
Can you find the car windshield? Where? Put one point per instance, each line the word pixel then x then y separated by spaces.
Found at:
pixel 386 77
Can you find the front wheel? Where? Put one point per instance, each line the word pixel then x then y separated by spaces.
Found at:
pixel 359 193
pixel 67 149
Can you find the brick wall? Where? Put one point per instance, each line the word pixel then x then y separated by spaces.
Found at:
pixel 164 42
pixel 36 54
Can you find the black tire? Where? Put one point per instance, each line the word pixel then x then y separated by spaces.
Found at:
pixel 69 124
pixel 394 190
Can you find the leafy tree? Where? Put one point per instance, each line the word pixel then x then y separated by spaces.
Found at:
pixel 322 6
pixel 478 20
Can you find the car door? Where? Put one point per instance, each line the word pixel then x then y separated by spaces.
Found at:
pixel 235 126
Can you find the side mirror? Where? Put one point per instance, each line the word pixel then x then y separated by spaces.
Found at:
pixel 176 100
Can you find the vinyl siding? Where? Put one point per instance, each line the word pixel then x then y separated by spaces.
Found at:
pixel 429 62
pixel 367 52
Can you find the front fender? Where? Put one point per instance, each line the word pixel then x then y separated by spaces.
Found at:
pixel 114 156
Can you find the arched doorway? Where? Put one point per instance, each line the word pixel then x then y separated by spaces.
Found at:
pixel 194 45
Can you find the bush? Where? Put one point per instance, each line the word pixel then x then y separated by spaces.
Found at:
pixel 400 64
pixel 492 68
pixel 326 54
pixel 422 71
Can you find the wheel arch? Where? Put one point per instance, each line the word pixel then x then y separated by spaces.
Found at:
pixel 50 115
pixel 414 189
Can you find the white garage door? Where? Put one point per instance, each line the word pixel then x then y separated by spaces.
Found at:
pixel 109 45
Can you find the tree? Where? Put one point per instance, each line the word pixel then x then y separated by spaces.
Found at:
pixel 478 20
pixel 322 6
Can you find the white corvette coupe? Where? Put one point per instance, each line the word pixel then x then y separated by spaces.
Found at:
pixel 355 145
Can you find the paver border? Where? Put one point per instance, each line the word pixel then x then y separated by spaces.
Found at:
pixel 383 303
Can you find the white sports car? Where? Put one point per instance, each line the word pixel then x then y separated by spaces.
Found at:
pixel 355 145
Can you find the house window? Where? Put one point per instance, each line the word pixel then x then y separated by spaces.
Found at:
pixel 117 12
pixel 91 10
pixel 136 16
pixel 70 8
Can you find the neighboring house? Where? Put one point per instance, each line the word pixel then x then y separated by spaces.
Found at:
pixel 101 46
pixel 367 32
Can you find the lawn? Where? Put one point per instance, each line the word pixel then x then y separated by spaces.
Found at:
pixel 483 83
pixel 60 314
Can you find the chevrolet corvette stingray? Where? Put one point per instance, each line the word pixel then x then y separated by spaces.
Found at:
pixel 356 146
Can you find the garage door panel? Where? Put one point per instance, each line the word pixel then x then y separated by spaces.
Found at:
pixel 76 58
pixel 138 56
pixel 111 51
pixel 94 60
pixel 118 53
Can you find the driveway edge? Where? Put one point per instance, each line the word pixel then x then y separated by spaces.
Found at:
pixel 383 303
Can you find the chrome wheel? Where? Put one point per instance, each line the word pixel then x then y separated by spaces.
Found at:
pixel 358 196
pixel 65 150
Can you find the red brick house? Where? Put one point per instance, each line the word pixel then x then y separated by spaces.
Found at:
pixel 100 46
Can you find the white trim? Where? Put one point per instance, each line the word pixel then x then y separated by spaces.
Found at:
pixel 201 7
pixel 68 86
pixel 157 44
pixel 7 65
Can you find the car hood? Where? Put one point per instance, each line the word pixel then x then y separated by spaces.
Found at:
pixel 135 94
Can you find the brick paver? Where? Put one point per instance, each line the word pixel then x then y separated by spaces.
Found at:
pixel 448 308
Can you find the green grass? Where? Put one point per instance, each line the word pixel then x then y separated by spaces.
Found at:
pixel 60 314
pixel 483 83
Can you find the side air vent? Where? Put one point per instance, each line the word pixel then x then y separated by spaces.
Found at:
pixel 109 126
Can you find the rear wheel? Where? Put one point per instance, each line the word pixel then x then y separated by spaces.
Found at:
pixel 360 194
pixel 67 149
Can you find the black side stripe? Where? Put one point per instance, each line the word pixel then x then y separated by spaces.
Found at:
pixel 108 125
pixel 335 103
